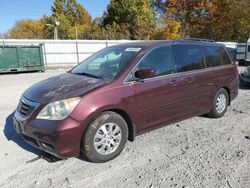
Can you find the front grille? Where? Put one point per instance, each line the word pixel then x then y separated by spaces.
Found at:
pixel 30 140
pixel 26 107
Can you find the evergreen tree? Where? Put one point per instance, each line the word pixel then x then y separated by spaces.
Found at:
pixel 73 18
pixel 129 19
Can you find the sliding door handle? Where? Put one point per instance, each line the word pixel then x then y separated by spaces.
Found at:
pixel 189 80
pixel 173 83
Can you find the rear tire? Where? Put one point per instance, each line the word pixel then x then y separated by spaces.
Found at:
pixel 220 104
pixel 105 137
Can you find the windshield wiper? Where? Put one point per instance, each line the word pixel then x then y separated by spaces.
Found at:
pixel 87 74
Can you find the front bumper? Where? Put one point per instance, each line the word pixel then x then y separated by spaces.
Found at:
pixel 59 138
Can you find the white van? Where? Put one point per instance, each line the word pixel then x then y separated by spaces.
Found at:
pixel 246 60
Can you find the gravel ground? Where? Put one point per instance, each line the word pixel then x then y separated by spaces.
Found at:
pixel 198 152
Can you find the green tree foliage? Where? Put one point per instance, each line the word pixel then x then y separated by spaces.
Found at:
pixel 219 20
pixel 227 20
pixel 73 18
pixel 129 19
pixel 167 29
pixel 223 20
pixel 160 6
pixel 182 15
pixel 27 29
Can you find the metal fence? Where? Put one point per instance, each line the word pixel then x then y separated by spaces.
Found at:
pixel 241 51
pixel 65 52
pixel 230 44
pixel 71 52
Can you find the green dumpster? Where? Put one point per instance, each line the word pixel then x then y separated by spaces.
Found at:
pixel 21 59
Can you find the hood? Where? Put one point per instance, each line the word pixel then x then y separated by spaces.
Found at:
pixel 62 87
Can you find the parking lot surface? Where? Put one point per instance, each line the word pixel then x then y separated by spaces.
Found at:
pixel 199 152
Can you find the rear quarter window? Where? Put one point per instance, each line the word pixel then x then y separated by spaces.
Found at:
pixel 216 56
pixel 188 57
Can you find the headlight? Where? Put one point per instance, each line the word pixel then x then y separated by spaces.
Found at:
pixel 59 110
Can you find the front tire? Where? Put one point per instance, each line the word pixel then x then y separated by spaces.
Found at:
pixel 220 104
pixel 105 137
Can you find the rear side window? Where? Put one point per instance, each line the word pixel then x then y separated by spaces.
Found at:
pixel 188 57
pixel 160 59
pixel 216 56
pixel 248 49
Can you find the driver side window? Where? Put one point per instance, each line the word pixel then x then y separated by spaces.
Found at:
pixel 160 59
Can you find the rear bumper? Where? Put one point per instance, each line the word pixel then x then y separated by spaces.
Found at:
pixel 59 138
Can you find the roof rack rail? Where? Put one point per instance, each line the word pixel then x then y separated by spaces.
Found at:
pixel 198 39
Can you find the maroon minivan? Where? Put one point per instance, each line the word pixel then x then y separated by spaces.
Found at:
pixel 125 90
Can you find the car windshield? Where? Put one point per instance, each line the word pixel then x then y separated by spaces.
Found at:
pixel 107 63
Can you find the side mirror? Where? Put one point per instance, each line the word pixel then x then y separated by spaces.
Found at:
pixel 145 73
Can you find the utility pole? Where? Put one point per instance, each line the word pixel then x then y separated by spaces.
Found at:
pixel 55 34
pixel 55 25
pixel 76 32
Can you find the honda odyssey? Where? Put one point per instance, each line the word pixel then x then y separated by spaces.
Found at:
pixel 123 91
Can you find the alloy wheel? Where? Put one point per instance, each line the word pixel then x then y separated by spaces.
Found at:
pixel 221 103
pixel 107 138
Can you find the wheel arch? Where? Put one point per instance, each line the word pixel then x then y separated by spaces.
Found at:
pixel 131 127
pixel 229 95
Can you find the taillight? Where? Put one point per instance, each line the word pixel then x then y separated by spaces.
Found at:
pixel 237 73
